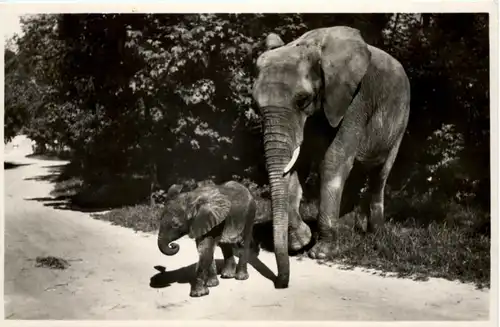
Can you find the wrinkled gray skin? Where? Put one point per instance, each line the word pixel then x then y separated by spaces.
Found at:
pixel 361 94
pixel 215 215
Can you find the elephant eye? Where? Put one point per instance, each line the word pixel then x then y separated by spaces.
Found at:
pixel 303 100
pixel 175 223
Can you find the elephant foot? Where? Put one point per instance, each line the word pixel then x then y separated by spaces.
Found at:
pixel 242 275
pixel 323 249
pixel 199 291
pixel 212 281
pixel 227 274
pixel 281 282
pixel 228 271
pixel 299 237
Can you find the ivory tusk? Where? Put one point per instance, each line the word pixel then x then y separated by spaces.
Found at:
pixel 290 164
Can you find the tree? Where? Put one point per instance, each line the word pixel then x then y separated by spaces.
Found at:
pixel 20 93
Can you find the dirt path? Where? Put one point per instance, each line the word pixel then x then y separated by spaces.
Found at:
pixel 112 269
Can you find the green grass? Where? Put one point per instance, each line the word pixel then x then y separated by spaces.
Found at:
pixel 144 218
pixel 453 252
pixel 67 188
pixel 437 250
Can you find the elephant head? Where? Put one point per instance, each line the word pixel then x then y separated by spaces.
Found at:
pixel 194 213
pixel 321 70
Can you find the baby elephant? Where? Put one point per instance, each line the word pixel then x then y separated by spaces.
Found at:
pixel 213 215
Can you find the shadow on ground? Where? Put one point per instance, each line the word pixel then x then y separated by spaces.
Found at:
pixel 57 173
pixel 187 274
pixel 71 193
pixel 66 203
pixel 12 165
pixel 51 156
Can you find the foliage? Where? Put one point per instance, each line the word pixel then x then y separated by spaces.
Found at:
pixel 447 144
pixel 21 93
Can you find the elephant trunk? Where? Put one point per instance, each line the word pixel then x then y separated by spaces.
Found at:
pixel 168 248
pixel 278 151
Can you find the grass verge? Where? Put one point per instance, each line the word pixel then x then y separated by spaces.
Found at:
pixel 141 217
pixel 409 250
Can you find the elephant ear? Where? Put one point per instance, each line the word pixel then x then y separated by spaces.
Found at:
pixel 344 60
pixel 173 191
pixel 273 41
pixel 208 210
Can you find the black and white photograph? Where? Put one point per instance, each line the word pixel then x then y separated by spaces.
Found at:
pixel 225 165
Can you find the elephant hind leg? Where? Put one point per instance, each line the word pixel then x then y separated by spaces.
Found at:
pixel 377 180
pixel 228 271
pixel 212 279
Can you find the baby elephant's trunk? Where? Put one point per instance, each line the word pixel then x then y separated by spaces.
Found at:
pixel 168 248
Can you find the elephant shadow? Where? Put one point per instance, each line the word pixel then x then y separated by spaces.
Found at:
pixel 187 274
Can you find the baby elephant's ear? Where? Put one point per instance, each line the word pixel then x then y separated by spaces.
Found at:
pixel 210 213
pixel 174 191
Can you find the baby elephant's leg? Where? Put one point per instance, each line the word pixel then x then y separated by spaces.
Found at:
pixel 229 262
pixel 212 275
pixel 241 269
pixel 205 248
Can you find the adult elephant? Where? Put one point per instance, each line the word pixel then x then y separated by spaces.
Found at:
pixel 363 96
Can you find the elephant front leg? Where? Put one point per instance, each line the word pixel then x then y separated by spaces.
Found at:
pixel 206 247
pixel 335 170
pixel 299 234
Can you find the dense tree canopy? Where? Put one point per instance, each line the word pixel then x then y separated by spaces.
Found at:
pixel 168 97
